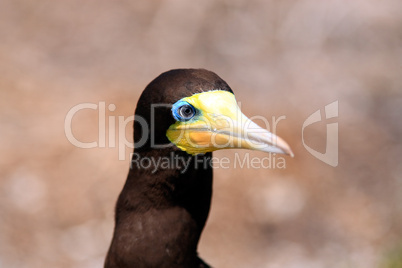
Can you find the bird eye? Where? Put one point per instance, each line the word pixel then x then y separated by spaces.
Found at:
pixel 183 111
pixel 186 111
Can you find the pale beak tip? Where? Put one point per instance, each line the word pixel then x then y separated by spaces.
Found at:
pixel 288 151
pixel 291 153
pixel 284 147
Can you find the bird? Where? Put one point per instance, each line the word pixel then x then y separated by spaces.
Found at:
pixel 182 116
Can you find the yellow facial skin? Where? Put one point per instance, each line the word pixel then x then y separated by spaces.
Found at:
pixel 219 124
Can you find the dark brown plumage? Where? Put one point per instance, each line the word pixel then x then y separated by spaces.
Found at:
pixel 160 216
pixel 183 114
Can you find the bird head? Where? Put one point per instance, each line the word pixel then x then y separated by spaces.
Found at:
pixel 197 112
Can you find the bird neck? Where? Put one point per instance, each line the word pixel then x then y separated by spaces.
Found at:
pixel 161 179
pixel 165 202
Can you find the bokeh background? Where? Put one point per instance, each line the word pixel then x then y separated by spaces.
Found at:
pixel 280 57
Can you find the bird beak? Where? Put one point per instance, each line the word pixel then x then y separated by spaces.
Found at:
pixel 220 124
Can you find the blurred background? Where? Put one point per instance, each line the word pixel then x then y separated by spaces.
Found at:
pixel 288 58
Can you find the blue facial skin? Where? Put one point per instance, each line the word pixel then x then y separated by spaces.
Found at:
pixel 183 111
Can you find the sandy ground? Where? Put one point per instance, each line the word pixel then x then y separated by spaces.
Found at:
pixel 282 58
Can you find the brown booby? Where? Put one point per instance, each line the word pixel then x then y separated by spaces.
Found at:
pixel 182 116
